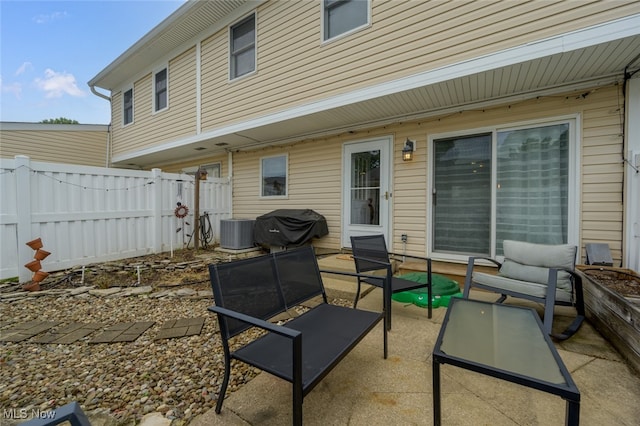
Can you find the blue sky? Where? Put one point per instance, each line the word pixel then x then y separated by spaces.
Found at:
pixel 49 50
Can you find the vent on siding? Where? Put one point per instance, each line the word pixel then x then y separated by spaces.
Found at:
pixel 236 234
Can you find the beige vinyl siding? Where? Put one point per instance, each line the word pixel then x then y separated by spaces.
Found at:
pixel 295 68
pixel 315 168
pixel 148 129
pixel 603 171
pixel 314 182
pixel 83 147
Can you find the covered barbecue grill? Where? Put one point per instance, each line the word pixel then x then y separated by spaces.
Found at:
pixel 289 227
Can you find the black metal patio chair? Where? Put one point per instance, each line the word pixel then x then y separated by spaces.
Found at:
pixel 370 254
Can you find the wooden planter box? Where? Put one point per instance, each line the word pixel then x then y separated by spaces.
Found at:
pixel 616 317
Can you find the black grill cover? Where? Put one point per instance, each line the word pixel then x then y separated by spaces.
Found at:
pixel 289 227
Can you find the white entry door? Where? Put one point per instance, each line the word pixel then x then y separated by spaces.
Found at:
pixel 366 193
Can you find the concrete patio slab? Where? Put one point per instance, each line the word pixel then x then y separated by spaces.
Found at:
pixel 365 389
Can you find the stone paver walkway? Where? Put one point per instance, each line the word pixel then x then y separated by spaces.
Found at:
pixel 26 330
pixel 120 332
pixel 69 334
pixel 123 332
pixel 180 328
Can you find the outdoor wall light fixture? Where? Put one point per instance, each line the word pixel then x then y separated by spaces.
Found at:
pixel 407 150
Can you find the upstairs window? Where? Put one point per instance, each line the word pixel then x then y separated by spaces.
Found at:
pixel 273 174
pixel 343 16
pixel 243 47
pixel 160 85
pixel 127 107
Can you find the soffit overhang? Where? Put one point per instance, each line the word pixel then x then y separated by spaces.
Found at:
pixel 584 59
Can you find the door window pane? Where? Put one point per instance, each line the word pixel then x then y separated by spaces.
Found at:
pixel 462 195
pixel 365 188
pixel 532 185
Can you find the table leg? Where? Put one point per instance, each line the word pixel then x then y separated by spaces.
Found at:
pixel 573 413
pixel 436 393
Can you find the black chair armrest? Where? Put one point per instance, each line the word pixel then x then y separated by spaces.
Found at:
pixel 474 258
pixel 376 261
pixel 352 274
pixel 470 265
pixel 386 281
pixel 394 255
pixel 358 275
pixel 266 325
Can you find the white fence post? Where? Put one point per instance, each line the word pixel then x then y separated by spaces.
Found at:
pixel 23 213
pixel 156 203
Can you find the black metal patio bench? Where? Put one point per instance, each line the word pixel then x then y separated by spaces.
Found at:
pixel 249 292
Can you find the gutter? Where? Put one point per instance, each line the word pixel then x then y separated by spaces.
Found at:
pixel 101 95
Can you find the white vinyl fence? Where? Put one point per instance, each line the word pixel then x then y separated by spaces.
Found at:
pixel 91 214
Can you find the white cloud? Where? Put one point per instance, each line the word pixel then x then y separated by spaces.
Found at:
pixel 55 84
pixel 46 18
pixel 15 88
pixel 24 68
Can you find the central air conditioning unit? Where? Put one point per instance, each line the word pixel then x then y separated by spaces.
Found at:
pixel 236 234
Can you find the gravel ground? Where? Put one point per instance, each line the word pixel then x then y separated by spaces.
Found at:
pixel 119 383
pixel 122 382
pixel 176 377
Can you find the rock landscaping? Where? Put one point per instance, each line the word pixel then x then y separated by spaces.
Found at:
pixel 176 377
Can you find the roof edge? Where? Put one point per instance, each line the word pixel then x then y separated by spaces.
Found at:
pixel 25 126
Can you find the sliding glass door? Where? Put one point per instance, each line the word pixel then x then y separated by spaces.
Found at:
pixel 462 195
pixel 509 183
pixel 532 185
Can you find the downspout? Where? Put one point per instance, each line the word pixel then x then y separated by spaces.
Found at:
pixel 107 157
pixel 107 98
pixel 230 180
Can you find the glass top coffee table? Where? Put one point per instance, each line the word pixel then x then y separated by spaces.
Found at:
pixel 506 342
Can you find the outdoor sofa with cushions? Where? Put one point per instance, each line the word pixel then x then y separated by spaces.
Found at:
pixel 539 272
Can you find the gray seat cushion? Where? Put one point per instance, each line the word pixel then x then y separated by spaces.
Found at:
pixel 528 262
pixel 524 287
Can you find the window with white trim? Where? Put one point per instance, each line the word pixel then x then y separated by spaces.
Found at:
pixel 213 170
pixel 343 16
pixel 242 40
pixel 160 90
pixel 127 107
pixel 273 176
pixel 503 184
